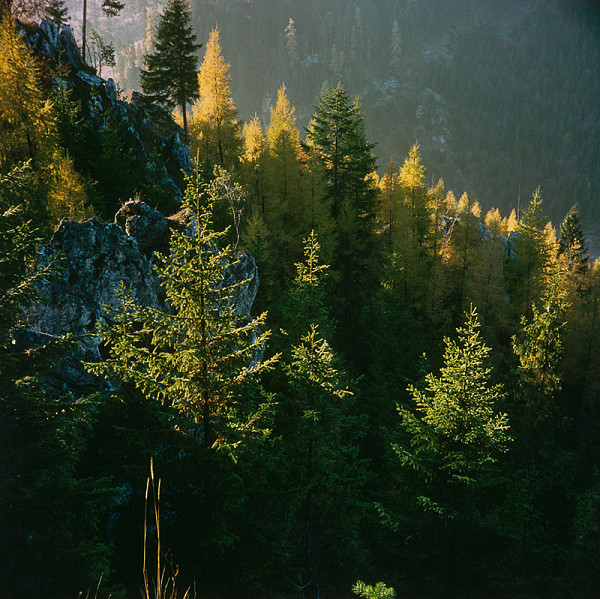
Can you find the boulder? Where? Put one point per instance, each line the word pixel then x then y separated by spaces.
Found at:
pixel 144 224
pixel 95 258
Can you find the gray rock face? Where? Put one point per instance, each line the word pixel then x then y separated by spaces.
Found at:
pixel 47 41
pixel 144 224
pixel 98 256
pixel 244 269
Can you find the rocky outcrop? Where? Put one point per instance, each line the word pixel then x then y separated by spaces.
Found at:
pixel 485 234
pixel 152 136
pixel 96 257
pixel 147 226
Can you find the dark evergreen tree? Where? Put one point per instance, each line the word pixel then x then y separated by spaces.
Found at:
pixel 548 470
pixel 170 77
pixel 58 13
pixel 571 240
pixel 111 8
pixel 50 514
pixel 320 438
pixel 336 138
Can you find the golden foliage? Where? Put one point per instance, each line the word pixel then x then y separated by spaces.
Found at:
pixel 67 197
pixel 26 119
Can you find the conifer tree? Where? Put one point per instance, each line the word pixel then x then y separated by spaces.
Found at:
pixel 511 222
pixel 111 8
pixel 336 138
pixel 253 165
pixel 463 246
pixel 321 455
pixel 412 179
pixel 193 357
pixel 530 254
pixel 42 436
pixel 485 287
pixel 320 437
pixel 581 355
pixel 58 13
pixel 390 200
pixel 170 76
pixel 449 447
pixel 539 347
pixel 256 240
pixel 215 128
pixel 67 197
pixel 284 198
pixel 306 300
pixel 571 241
pixel 437 245
pixel 18 248
pixel 378 591
pixel 540 420
pixel 27 122
pixel 316 207
pixel 493 221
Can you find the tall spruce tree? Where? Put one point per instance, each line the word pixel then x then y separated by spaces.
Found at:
pixel 196 355
pixel 170 76
pixel 336 138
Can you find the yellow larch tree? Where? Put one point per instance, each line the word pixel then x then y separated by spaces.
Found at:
pixel 464 244
pixel 67 197
pixel 26 119
pixel 412 179
pixel 214 127
pixel 253 166
pixel 390 198
pixel 284 199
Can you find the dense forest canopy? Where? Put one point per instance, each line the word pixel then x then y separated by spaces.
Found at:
pixel 501 95
pixel 341 350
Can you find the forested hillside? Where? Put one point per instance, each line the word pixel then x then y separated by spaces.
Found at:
pixel 501 95
pixel 286 367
